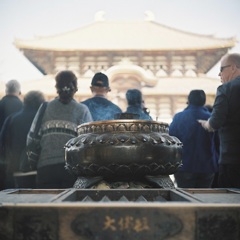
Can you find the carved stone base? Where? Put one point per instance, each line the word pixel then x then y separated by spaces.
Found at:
pixel 161 181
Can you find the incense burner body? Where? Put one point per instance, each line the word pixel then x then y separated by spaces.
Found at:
pixel 123 150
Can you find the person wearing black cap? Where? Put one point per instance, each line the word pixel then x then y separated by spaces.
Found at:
pixel 199 165
pixel 100 107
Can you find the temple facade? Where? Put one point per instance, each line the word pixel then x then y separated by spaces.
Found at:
pixel 163 62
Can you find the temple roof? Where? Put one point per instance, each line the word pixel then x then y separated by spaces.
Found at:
pixel 125 35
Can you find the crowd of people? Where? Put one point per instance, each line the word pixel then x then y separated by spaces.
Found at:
pixel 33 132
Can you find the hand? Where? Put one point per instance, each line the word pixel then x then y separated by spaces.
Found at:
pixel 205 124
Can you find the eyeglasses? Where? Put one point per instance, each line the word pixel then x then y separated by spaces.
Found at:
pixel 222 68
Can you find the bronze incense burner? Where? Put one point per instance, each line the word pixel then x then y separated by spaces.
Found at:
pixel 123 150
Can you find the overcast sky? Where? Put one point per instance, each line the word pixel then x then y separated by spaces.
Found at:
pixel 28 18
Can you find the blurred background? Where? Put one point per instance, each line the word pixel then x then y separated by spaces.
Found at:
pixel 29 19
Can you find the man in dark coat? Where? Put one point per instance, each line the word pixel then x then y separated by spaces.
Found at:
pixel 226 119
pixel 14 134
pixel 9 104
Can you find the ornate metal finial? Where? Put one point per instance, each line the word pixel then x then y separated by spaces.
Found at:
pixel 99 16
pixel 149 16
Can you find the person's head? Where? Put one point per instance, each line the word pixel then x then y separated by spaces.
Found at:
pixel 33 99
pixel 13 87
pixel 230 67
pixel 197 97
pixel 66 85
pixel 134 97
pixel 100 84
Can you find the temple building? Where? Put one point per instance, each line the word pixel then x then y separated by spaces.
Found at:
pixel 163 62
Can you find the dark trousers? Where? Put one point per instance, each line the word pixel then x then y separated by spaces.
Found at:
pixel 193 180
pixel 2 176
pixel 229 176
pixel 25 180
pixel 54 177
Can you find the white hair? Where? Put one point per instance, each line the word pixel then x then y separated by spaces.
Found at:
pixel 13 86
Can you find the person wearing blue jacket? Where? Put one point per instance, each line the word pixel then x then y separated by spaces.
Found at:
pixel 135 104
pixel 100 107
pixel 198 167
